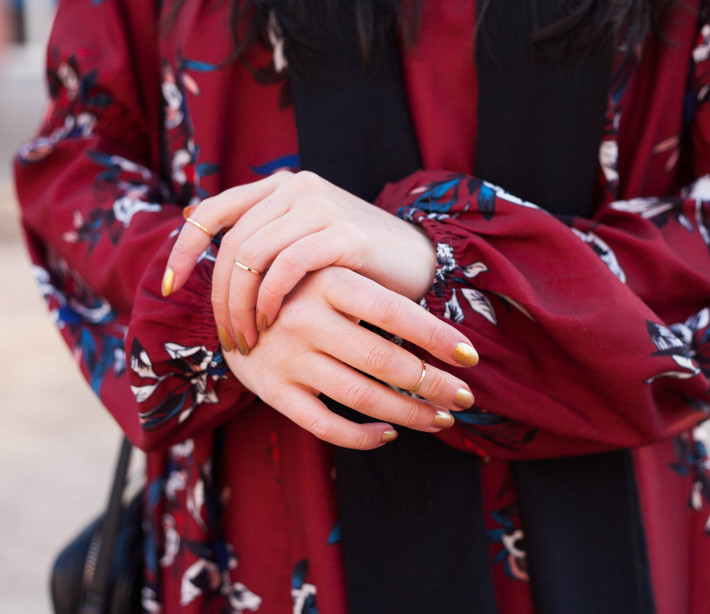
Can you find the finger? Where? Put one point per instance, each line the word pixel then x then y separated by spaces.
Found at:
pixel 309 413
pixel 239 267
pixel 361 297
pixel 306 188
pixel 257 253
pixel 310 253
pixel 371 398
pixel 369 353
pixel 212 215
pixel 232 287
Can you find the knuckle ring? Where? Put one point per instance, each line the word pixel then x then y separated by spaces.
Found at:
pixel 246 268
pixel 196 224
pixel 421 378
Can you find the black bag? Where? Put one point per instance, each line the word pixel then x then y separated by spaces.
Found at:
pixel 101 570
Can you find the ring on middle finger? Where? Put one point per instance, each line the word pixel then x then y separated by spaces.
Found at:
pixel 421 378
pixel 246 268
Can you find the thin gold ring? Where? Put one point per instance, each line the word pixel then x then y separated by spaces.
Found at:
pixel 421 378
pixel 200 226
pixel 247 268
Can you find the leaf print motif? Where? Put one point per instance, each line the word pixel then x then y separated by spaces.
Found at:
pixel 672 145
pixel 191 368
pixel 196 503
pixel 240 598
pixel 486 201
pixel 276 39
pixel 431 197
pixel 687 330
pixel 203 358
pixel 702 222
pixel 507 196
pixel 699 189
pixel 89 319
pixel 482 424
pixel 126 206
pixel 141 364
pixel 702 50
pixel 647 208
pixel 171 539
pixel 480 304
pixel 691 449
pixel 519 306
pixel 302 592
pixel 183 449
pixel 474 269
pixel 205 578
pixel 608 157
pixel 657 210
pixel 669 344
pixel 452 309
pixel 511 541
pixel 605 253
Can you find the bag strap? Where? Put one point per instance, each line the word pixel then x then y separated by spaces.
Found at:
pixel 95 598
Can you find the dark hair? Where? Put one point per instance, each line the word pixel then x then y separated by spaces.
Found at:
pixel 583 22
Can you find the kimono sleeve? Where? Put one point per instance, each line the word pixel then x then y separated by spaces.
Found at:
pixel 593 334
pixel 98 223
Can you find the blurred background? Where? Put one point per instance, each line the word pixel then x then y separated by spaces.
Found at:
pixel 57 444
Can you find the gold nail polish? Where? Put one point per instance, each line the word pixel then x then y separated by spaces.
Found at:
pixel 465 355
pixel 241 343
pixel 261 323
pixel 188 211
pixel 443 419
pixel 224 339
pixel 168 282
pixel 463 398
pixel 388 436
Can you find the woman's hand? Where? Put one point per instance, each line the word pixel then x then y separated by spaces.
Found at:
pixel 316 346
pixel 285 226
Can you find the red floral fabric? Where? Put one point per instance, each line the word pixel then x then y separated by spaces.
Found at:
pixel 593 333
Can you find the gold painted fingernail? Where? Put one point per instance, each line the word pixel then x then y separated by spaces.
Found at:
pixel 261 322
pixel 463 398
pixel 443 419
pixel 188 211
pixel 166 286
pixel 224 339
pixel 241 343
pixel 388 436
pixel 465 355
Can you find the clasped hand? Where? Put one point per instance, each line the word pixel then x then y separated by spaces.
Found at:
pixel 368 265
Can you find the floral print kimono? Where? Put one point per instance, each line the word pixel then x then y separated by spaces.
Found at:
pixel 240 505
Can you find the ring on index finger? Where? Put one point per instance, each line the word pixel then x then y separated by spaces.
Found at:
pixel 421 379
pixel 246 268
pixel 196 224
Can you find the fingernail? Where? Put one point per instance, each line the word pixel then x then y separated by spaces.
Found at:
pixel 463 398
pixel 388 436
pixel 224 339
pixel 188 211
pixel 465 355
pixel 241 343
pixel 261 322
pixel 443 419
pixel 168 281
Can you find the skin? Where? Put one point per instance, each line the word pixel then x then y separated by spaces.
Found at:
pixel 329 260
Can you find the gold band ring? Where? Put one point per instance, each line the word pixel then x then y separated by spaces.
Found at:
pixel 421 378
pixel 246 268
pixel 200 226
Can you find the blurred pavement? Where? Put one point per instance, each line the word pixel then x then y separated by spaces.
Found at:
pixel 57 443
